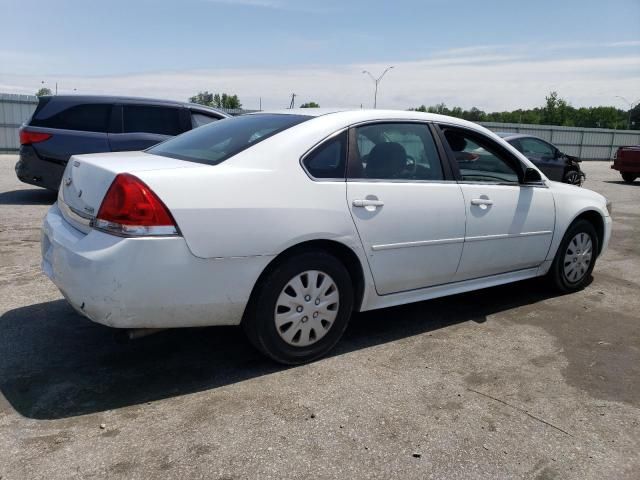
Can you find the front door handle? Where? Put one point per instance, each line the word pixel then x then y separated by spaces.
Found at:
pixel 481 201
pixel 368 203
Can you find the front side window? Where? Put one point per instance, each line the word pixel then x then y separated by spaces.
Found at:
pixel 478 159
pixel 395 151
pixel 533 147
pixel 217 141
pixel 149 119
pixel 329 159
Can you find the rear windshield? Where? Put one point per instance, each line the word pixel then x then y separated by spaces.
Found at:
pixel 215 142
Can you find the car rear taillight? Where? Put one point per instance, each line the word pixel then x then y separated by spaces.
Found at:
pixel 28 137
pixel 131 208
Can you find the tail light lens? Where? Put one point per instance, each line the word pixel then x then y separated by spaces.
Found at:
pixel 28 137
pixel 131 208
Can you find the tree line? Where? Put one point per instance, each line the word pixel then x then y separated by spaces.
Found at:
pixel 555 111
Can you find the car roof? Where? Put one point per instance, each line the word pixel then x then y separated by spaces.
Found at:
pixel 363 115
pixel 129 100
pixel 514 135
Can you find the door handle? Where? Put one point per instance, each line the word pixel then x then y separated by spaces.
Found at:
pixel 368 203
pixel 481 201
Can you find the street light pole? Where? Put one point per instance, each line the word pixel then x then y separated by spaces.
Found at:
pixel 631 106
pixel 376 81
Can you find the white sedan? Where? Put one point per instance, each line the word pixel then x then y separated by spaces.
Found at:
pixel 287 222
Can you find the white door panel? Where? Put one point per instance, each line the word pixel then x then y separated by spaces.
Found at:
pixel 509 227
pixel 412 232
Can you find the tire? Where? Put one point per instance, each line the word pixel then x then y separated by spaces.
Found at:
pixel 293 323
pixel 571 270
pixel 629 177
pixel 573 177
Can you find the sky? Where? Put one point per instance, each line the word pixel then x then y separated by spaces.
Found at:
pixel 492 54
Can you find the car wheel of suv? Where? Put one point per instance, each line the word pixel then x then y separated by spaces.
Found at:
pixel 575 258
pixel 573 177
pixel 301 309
pixel 629 177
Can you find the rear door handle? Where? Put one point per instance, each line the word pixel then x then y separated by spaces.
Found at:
pixel 481 201
pixel 368 203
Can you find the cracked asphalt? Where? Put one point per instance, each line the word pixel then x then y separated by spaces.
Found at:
pixel 509 382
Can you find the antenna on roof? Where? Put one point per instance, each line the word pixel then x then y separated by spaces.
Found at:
pixel 293 100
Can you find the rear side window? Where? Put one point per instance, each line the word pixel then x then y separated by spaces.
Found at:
pixel 87 118
pixel 199 119
pixel 329 159
pixel 149 119
pixel 217 141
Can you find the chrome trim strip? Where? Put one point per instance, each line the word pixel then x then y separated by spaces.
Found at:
pixel 446 241
pixel 420 243
pixel 507 235
pixel 74 215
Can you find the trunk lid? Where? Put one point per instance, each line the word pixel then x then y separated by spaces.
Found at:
pixel 87 178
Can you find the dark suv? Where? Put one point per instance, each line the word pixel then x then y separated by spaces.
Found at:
pixel 65 125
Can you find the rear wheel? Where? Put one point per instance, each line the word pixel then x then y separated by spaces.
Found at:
pixel 301 309
pixel 575 258
pixel 629 177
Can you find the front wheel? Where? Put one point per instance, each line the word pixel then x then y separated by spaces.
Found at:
pixel 573 177
pixel 300 309
pixel 575 258
pixel 629 177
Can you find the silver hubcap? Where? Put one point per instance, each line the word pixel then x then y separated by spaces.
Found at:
pixel 578 257
pixel 306 308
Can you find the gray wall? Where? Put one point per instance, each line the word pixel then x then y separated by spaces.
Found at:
pixel 14 110
pixel 586 143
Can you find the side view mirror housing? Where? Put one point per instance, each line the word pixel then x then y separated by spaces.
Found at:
pixel 531 175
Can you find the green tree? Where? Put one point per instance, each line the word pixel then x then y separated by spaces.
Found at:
pixel 43 91
pixel 226 101
pixel 555 111
pixel 310 105
pixel 203 98
pixel 216 100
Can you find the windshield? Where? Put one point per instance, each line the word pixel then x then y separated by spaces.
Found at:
pixel 214 143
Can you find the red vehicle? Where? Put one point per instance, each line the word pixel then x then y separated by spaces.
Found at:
pixel 627 162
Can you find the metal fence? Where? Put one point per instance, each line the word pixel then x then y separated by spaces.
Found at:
pixel 585 143
pixel 14 110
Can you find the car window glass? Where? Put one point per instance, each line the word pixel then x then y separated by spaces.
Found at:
pixel 477 160
pixel 150 119
pixel 395 151
pixel 217 141
pixel 199 119
pixel 537 148
pixel 87 118
pixel 329 159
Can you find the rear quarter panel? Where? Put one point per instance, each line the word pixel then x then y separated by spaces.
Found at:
pixel 259 202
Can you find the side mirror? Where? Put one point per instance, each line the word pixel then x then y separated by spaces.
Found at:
pixel 559 154
pixel 531 175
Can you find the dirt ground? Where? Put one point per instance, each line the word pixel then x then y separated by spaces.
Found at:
pixel 509 382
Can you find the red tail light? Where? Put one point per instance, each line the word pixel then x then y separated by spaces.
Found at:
pixel 27 137
pixel 130 208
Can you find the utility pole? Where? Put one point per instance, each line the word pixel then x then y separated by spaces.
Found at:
pixel 293 101
pixel 631 107
pixel 376 81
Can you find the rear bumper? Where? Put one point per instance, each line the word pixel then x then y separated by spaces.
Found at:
pixel 33 170
pixel 626 166
pixel 144 282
